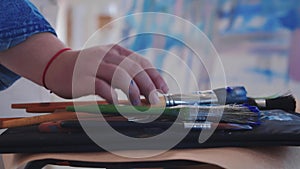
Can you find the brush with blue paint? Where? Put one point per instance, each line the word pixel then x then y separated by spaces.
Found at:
pixel 238 95
pixel 220 96
pixel 239 114
pixel 231 95
pixel 285 102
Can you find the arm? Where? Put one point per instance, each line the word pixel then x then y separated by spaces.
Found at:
pixel 19 19
pixel 108 67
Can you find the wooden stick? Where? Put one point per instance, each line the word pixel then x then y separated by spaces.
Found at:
pixel 48 107
pixel 60 106
pixel 9 118
pixel 44 109
pixel 53 104
pixel 43 118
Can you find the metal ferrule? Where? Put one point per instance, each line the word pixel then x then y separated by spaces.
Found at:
pixel 261 102
pixel 190 99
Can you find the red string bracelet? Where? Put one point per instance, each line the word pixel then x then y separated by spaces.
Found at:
pixel 49 63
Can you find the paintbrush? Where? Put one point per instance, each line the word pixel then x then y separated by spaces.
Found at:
pixel 227 113
pixel 233 95
pixel 218 96
pixel 232 113
pixel 228 95
pixel 285 102
pixel 26 121
pixel 75 125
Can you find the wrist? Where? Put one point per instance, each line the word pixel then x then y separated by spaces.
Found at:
pixel 58 77
pixel 57 54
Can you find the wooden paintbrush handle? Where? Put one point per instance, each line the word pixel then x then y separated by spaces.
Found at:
pixel 9 118
pixel 48 107
pixel 52 104
pixel 26 121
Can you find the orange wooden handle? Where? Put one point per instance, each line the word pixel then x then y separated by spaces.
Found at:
pixel 48 107
pixel 26 121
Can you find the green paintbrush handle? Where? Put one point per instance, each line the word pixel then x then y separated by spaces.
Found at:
pixel 115 109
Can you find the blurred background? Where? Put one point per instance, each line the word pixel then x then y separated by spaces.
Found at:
pixel 256 41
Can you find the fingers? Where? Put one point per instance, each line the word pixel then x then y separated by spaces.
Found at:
pixel 105 91
pixel 140 76
pixel 117 77
pixel 82 86
pixel 126 70
pixel 145 75
pixel 152 72
pixel 158 80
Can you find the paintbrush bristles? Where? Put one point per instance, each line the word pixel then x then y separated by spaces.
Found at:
pixel 287 103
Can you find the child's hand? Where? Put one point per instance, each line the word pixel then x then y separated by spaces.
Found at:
pixel 98 70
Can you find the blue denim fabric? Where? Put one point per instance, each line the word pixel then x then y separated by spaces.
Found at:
pixel 19 19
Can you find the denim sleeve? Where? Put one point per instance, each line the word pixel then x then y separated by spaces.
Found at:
pixel 19 19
